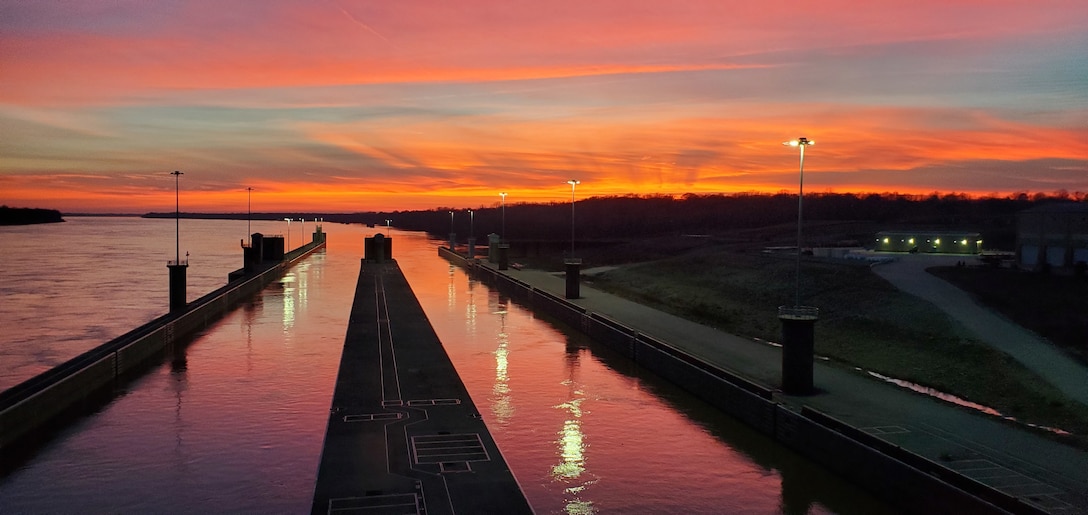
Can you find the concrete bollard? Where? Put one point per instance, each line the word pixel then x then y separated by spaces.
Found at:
pixel 573 267
pixel 378 249
pixel 797 348
pixel 177 285
pixel 504 256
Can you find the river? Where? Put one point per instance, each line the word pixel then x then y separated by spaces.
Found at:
pixel 235 421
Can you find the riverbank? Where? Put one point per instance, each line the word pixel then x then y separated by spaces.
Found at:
pixel 866 325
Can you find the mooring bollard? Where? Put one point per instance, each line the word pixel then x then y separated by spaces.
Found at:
pixel 798 343
pixel 573 267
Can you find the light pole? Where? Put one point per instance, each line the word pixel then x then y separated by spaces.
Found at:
pixel 288 234
pixel 502 232
pixel 573 183
pixel 453 235
pixel 249 216
pixel 387 225
pixel 800 143
pixel 471 221
pixel 177 214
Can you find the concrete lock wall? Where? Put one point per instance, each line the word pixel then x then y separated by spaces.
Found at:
pixel 41 399
pixel 913 483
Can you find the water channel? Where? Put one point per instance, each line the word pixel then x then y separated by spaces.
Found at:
pixel 235 422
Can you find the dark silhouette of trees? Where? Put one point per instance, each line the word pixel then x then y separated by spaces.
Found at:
pixel 629 216
pixel 634 216
pixel 26 216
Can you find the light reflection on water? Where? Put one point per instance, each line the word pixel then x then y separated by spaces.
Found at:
pixel 235 422
pixel 947 397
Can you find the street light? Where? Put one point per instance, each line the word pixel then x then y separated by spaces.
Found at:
pixel 471 219
pixel 502 232
pixel 387 226
pixel 800 143
pixel 303 231
pixel 573 183
pixel 177 214
pixel 249 216
pixel 288 234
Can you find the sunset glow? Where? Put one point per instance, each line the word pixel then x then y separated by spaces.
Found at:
pixel 341 105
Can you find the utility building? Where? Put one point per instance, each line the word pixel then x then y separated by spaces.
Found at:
pixel 929 242
pixel 1053 235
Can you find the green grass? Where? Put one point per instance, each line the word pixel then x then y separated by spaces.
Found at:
pixel 864 322
pixel 1052 305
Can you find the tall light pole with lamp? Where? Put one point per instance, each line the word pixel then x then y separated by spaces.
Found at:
pixel 502 231
pixel 453 234
pixel 249 214
pixel 801 143
pixel 471 234
pixel 502 254
pixel 572 264
pixel 177 214
pixel 177 267
pixel 573 183
pixel 798 321
pixel 288 236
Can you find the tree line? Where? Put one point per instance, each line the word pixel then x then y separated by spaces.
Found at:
pixel 26 216
pixel 619 217
pixel 633 216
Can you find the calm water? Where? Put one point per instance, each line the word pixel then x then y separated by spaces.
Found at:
pixel 235 422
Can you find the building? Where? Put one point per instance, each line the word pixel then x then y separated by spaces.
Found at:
pixel 929 242
pixel 1054 235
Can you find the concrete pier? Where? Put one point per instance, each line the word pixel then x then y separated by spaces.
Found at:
pixel 403 434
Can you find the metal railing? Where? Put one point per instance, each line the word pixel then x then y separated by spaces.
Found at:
pixel 798 312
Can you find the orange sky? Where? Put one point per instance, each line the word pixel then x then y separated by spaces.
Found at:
pixel 350 106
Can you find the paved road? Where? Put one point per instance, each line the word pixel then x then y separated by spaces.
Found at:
pixel 1038 470
pixel 1033 351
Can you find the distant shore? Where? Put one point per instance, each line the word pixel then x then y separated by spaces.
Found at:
pixel 28 216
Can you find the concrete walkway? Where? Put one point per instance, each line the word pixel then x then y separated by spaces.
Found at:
pixel 403 434
pixel 1033 351
pixel 1038 470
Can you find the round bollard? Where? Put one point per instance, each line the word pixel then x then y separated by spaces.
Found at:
pixel 573 266
pixel 504 256
pixel 797 348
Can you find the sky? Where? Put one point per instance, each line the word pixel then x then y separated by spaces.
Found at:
pixel 346 106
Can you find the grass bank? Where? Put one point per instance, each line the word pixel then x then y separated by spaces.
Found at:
pixel 1052 305
pixel 865 322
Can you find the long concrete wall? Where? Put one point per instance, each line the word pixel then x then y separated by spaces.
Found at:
pixel 44 398
pixel 911 482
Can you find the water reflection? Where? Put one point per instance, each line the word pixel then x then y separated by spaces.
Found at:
pixel 470 308
pixel 179 382
pixel 502 403
pixel 572 439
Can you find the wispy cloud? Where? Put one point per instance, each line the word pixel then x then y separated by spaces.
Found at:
pixel 443 102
